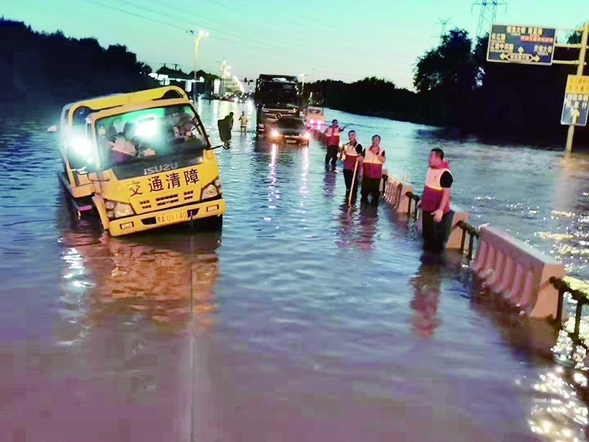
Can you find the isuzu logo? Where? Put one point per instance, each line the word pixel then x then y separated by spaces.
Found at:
pixel 160 168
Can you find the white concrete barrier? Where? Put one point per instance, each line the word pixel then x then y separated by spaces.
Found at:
pixel 518 271
pixel 395 193
pixel 455 237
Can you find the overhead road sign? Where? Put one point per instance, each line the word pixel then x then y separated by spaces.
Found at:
pixel 521 44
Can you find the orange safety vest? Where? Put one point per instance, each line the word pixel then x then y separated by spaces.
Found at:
pixel 433 191
pixel 351 156
pixel 372 165
pixel 332 134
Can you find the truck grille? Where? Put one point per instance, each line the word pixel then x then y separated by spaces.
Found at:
pixel 168 200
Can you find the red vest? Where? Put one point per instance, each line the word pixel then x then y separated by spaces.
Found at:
pixel 432 192
pixel 351 156
pixel 372 166
pixel 332 135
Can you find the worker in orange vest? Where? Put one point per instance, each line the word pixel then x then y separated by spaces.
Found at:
pixel 372 160
pixel 332 135
pixel 436 215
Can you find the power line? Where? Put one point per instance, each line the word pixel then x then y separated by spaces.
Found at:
pixel 264 44
pixel 240 37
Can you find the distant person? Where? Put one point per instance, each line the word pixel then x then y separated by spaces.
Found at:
pixel 243 122
pixel 351 152
pixel 225 129
pixel 372 160
pixel 332 134
pixel 435 203
pixel 230 120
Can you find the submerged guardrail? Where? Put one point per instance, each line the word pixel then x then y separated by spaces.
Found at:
pixel 581 296
pixel 524 276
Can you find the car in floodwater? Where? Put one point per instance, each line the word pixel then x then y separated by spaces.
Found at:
pixel 314 117
pixel 289 130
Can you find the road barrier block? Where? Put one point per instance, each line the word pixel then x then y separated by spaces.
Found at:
pixel 518 271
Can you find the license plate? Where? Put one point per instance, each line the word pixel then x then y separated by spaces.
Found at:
pixel 171 217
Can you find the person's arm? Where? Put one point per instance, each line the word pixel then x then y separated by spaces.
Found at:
pixel 381 157
pixel 446 182
pixel 359 149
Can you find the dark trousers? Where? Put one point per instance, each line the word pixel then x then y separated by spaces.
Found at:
pixel 371 186
pixel 348 175
pixel 331 155
pixel 435 234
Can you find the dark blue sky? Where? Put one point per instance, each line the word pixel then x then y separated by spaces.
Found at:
pixel 322 39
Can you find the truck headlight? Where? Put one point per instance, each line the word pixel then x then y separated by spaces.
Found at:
pixel 274 133
pixel 306 135
pixel 209 191
pixel 123 209
pixel 117 209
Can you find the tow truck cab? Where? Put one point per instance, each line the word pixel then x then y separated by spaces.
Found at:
pixel 143 165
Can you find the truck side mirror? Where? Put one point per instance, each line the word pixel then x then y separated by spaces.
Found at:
pixel 224 130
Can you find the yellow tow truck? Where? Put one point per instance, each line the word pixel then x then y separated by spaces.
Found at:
pixel 140 160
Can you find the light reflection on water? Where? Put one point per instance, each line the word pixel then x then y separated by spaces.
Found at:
pixel 303 307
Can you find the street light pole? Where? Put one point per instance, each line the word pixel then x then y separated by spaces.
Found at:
pixel 580 70
pixel 197 39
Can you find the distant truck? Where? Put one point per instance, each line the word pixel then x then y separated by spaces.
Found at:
pixel 276 96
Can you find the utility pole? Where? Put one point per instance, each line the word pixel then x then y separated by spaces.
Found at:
pixel 197 38
pixel 487 14
pixel 580 70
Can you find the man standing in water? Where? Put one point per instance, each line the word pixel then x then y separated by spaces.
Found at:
pixel 332 134
pixel 372 161
pixel 352 151
pixel 435 203
pixel 243 123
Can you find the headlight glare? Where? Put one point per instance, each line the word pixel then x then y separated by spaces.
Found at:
pixel 209 191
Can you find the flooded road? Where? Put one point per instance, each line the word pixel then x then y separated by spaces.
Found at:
pixel 310 320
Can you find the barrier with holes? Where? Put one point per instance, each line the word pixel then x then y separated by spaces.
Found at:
pixel 518 271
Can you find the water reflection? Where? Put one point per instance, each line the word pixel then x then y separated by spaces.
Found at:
pixel 426 283
pixel 357 227
pixel 369 225
pixel 156 278
pixel 329 181
pixel 558 412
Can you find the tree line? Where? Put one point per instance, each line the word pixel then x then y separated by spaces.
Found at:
pixel 40 67
pixel 456 87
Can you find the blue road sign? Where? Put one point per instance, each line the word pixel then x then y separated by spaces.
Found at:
pixel 575 110
pixel 521 44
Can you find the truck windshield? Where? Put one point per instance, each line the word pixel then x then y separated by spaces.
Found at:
pixel 136 135
pixel 284 93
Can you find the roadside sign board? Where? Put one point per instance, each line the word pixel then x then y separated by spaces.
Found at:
pixel 521 44
pixel 575 108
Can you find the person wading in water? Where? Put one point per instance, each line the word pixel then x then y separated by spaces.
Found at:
pixel 372 161
pixel 435 203
pixel 351 152
pixel 332 134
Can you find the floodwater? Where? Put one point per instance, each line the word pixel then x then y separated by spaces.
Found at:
pixel 303 320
